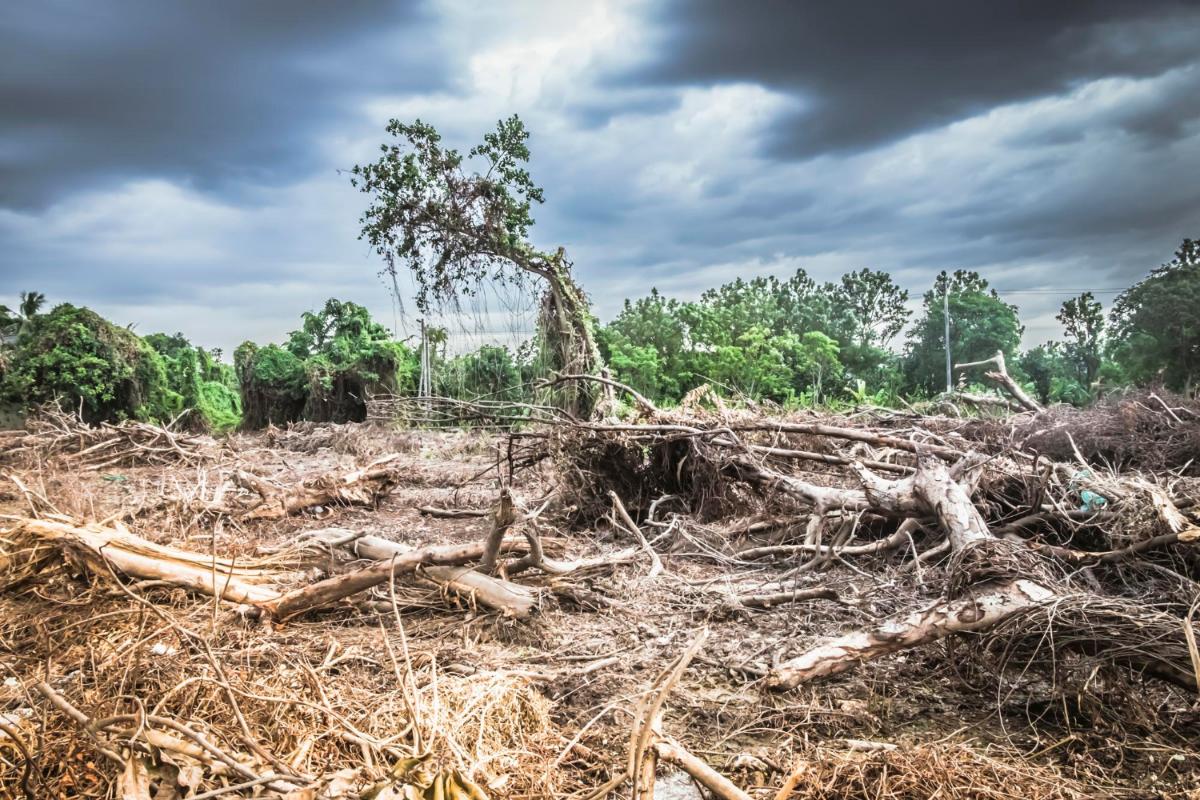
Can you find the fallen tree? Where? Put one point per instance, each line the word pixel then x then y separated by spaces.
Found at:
pixel 100 549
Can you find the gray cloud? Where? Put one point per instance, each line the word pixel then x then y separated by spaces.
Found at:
pixel 176 165
pixel 866 72
pixel 210 94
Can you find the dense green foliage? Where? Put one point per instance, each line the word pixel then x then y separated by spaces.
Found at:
pixel 980 324
pixel 783 340
pixel 205 386
pixel 326 369
pixel 791 341
pixel 489 373
pixel 797 341
pixel 77 358
pixel 74 356
pixel 1156 324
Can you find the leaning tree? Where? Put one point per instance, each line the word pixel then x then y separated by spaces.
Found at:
pixel 458 221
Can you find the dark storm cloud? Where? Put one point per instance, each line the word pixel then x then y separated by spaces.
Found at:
pixel 175 163
pixel 865 72
pixel 209 93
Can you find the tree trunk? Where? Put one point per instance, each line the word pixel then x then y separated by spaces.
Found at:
pixel 974 612
pixel 329 591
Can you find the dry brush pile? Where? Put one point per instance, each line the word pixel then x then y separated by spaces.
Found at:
pixel 763 606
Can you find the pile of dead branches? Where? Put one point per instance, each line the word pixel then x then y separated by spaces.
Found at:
pixel 1023 537
pixel 52 433
pixel 1152 431
pixel 349 438
pixel 817 548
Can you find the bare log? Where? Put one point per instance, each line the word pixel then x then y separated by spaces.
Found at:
pixel 988 401
pixel 1089 558
pixel 504 596
pixel 656 565
pixel 1001 377
pixel 974 612
pixel 511 599
pixel 329 591
pixel 451 513
pixel 670 750
pixel 851 434
pixel 889 542
pixel 96 546
pixel 772 599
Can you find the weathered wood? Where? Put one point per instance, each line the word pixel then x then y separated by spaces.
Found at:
pixel 361 487
pixel 511 599
pixel 503 518
pixel 129 554
pixel 329 591
pixel 505 596
pixel 974 612
pixel 1000 376
pixel 670 750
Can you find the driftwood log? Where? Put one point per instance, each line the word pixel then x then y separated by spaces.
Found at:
pixel 507 597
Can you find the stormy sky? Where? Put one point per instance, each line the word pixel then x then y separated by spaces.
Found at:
pixel 180 165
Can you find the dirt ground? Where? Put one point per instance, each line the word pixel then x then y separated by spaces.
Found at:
pixel 524 708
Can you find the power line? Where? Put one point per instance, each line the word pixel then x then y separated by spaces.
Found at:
pixel 1059 291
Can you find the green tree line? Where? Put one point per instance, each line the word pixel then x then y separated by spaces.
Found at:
pixel 796 341
pixel 788 340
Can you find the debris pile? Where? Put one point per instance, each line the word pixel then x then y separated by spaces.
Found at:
pixel 807 605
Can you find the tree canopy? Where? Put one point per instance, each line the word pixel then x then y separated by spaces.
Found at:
pixel 1156 323
pixel 456 221
pixel 981 324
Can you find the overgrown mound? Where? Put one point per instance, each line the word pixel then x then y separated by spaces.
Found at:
pixel 74 355
pixel 204 384
pixel 325 371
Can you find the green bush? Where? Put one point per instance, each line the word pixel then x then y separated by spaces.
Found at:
pixel 325 371
pixel 76 357
pixel 206 387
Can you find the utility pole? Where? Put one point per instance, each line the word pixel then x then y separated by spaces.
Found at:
pixel 423 387
pixel 946 334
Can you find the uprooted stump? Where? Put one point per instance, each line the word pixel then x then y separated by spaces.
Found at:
pixel 989 582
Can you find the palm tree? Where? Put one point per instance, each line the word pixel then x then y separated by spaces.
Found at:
pixel 9 321
pixel 31 304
